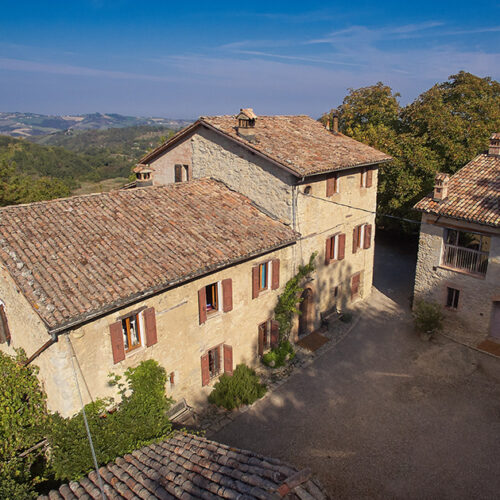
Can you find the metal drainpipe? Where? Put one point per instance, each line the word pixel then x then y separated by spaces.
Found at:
pixel 44 347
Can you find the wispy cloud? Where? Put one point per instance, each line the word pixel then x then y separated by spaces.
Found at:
pixel 66 69
pixel 313 60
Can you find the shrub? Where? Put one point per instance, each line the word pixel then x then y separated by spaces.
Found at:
pixel 241 388
pixel 428 317
pixel 23 415
pixel 276 357
pixel 139 419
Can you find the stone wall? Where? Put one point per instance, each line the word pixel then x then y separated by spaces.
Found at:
pixel 30 333
pixel 181 339
pixel 164 165
pixel 318 218
pixel 470 323
pixel 269 186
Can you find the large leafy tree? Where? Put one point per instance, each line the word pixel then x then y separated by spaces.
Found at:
pixel 442 130
pixel 455 118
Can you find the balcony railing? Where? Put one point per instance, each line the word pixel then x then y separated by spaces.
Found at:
pixel 465 259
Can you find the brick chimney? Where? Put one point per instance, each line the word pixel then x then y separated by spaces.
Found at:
pixel 441 187
pixel 335 124
pixel 246 124
pixel 494 149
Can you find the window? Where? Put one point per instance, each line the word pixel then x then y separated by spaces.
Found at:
pixel 211 363
pixel 131 333
pixel 212 297
pixel 466 251
pixel 366 178
pixel 452 297
pixel 268 336
pixel 361 237
pixel 332 185
pixel 335 248
pixel 263 276
pixel 182 173
pixel 214 362
pixel 215 297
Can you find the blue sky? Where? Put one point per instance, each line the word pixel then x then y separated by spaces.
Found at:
pixel 183 60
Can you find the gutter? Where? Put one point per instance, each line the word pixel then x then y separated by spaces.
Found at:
pixel 39 351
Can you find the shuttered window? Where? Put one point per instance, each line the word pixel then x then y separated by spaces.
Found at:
pixel 335 248
pixel 127 333
pixel 355 283
pixel 366 180
pixel 214 360
pixel 361 237
pixel 265 276
pixel 332 185
pixel 215 297
pixel 452 297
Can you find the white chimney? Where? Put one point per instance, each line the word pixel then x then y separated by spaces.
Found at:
pixel 246 124
pixel 441 187
pixel 494 149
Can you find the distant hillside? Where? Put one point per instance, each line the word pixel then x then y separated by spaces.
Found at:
pixel 32 124
pixel 132 142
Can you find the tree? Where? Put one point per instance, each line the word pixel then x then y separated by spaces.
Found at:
pixel 23 415
pixel 456 118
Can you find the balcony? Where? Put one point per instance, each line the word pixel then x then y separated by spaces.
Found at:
pixel 465 259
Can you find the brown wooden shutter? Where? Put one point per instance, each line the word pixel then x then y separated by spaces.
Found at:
pixel 255 282
pixel 150 324
pixel 4 326
pixel 369 178
pixel 116 334
pixel 275 283
pixel 368 236
pixel 355 285
pixel 275 333
pixel 330 186
pixel 189 172
pixel 328 250
pixel 227 295
pixel 261 340
pixel 205 371
pixel 355 236
pixel 202 305
pixel 228 359
pixel 178 173
pixel 341 249
pixel 361 177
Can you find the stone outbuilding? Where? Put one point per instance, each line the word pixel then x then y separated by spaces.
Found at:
pixel 459 250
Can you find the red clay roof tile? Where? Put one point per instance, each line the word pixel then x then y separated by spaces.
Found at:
pixel 77 257
pixel 473 193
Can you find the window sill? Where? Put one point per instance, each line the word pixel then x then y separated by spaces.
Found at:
pixel 213 314
pixel 463 271
pixel 135 351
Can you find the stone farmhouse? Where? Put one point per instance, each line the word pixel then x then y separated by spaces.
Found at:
pixel 459 250
pixel 186 268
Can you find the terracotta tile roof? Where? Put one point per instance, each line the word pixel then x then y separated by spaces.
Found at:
pixel 298 143
pixel 77 257
pixel 301 144
pixel 191 467
pixel 473 193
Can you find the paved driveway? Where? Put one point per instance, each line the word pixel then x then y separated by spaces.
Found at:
pixel 383 414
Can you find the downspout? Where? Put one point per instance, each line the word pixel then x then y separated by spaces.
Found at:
pixel 44 347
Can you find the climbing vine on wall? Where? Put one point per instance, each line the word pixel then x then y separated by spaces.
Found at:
pixel 288 300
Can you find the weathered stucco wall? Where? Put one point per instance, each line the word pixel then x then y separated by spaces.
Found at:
pixel 267 185
pixel 318 218
pixel 181 339
pixel 471 321
pixel 164 165
pixel 29 333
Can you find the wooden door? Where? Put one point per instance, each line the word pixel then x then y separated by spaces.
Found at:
pixel 306 312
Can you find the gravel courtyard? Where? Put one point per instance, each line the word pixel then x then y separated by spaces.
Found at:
pixel 384 414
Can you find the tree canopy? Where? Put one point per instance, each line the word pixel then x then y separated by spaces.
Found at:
pixel 443 129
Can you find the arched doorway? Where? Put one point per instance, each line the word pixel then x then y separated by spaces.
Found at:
pixel 306 318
